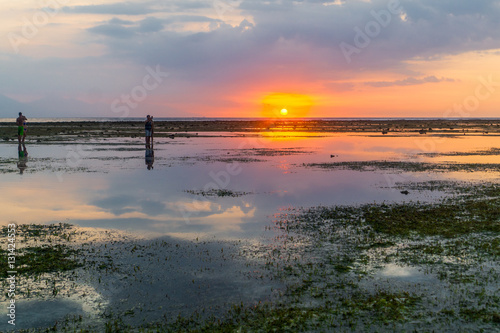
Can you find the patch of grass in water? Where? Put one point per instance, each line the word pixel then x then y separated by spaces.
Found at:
pixel 489 152
pixel 264 318
pixel 259 318
pixel 39 230
pixel 344 265
pixel 377 244
pixel 385 305
pixel 408 166
pixel 43 259
pixel 492 248
pixel 443 219
pixel 483 314
pixel 472 190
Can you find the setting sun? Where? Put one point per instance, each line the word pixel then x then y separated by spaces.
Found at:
pixel 273 105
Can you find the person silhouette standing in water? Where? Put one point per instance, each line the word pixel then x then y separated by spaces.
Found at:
pixel 149 126
pixel 21 123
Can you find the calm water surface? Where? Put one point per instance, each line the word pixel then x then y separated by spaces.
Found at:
pixel 106 183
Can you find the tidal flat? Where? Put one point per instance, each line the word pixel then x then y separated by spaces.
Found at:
pixel 251 226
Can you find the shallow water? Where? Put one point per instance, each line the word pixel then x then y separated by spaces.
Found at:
pixel 106 183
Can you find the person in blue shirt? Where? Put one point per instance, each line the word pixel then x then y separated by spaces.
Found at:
pixel 149 126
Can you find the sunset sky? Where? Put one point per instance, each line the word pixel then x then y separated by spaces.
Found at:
pixel 238 58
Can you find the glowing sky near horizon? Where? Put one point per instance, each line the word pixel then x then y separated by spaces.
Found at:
pixel 225 58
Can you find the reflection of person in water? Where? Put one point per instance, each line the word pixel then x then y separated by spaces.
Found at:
pixel 150 156
pixel 23 157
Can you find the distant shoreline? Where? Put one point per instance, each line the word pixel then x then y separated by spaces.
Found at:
pixel 72 129
pixel 4 121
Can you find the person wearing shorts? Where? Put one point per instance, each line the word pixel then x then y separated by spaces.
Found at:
pixel 149 127
pixel 21 123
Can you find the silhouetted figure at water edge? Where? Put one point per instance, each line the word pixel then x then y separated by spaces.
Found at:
pixel 149 127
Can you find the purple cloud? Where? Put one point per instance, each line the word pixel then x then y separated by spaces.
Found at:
pixel 410 81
